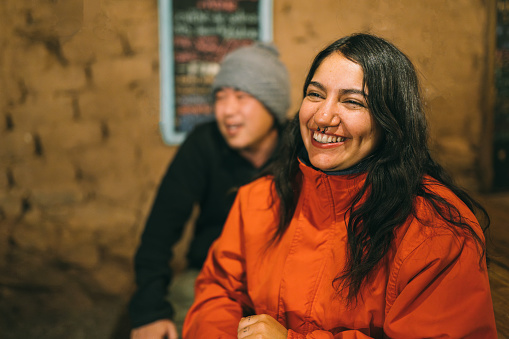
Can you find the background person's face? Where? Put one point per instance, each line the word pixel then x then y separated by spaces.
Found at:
pixel 334 99
pixel 243 121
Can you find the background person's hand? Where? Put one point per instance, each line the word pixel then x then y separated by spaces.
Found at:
pixel 261 326
pixel 161 329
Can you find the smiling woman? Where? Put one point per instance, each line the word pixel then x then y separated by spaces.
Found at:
pixel 355 231
pixel 336 125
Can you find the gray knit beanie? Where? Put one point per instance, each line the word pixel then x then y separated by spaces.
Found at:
pixel 257 70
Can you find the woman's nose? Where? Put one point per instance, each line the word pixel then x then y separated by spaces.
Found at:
pixel 327 116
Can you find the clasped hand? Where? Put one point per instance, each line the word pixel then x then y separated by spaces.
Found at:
pixel 261 326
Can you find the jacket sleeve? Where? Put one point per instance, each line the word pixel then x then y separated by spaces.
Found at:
pixel 440 290
pixel 220 292
pixel 180 188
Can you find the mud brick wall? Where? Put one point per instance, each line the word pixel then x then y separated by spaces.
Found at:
pixel 80 150
pixel 81 153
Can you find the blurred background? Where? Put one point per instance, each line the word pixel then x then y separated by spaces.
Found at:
pixel 81 153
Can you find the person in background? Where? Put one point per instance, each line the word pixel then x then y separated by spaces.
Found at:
pixel 251 98
pixel 355 231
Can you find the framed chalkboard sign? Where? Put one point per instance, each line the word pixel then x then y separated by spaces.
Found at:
pixel 194 35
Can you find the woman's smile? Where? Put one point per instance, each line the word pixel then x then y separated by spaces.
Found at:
pixel 323 138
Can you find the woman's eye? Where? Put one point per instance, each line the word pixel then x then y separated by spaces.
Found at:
pixel 313 94
pixel 354 104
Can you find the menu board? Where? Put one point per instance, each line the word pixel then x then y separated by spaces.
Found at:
pixel 194 36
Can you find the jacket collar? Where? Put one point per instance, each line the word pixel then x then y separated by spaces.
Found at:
pixel 327 195
pixel 357 168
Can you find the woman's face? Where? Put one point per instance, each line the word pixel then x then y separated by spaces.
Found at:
pixel 335 101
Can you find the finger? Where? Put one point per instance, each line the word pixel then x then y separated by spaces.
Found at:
pixel 244 332
pixel 248 321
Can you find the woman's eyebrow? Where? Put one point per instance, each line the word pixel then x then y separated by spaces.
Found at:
pixel 341 91
pixel 317 84
pixel 352 91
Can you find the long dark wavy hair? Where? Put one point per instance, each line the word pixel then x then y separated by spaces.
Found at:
pixel 395 171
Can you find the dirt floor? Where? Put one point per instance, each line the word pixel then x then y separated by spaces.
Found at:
pixel 497 206
pixel 57 314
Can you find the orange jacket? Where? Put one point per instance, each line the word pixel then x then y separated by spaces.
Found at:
pixel 430 284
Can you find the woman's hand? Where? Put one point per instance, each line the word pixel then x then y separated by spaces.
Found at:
pixel 261 326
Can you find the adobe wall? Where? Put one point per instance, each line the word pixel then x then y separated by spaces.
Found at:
pixel 80 150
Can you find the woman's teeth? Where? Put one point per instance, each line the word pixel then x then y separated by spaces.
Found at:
pixel 327 139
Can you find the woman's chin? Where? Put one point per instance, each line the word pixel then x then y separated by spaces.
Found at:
pixel 323 164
